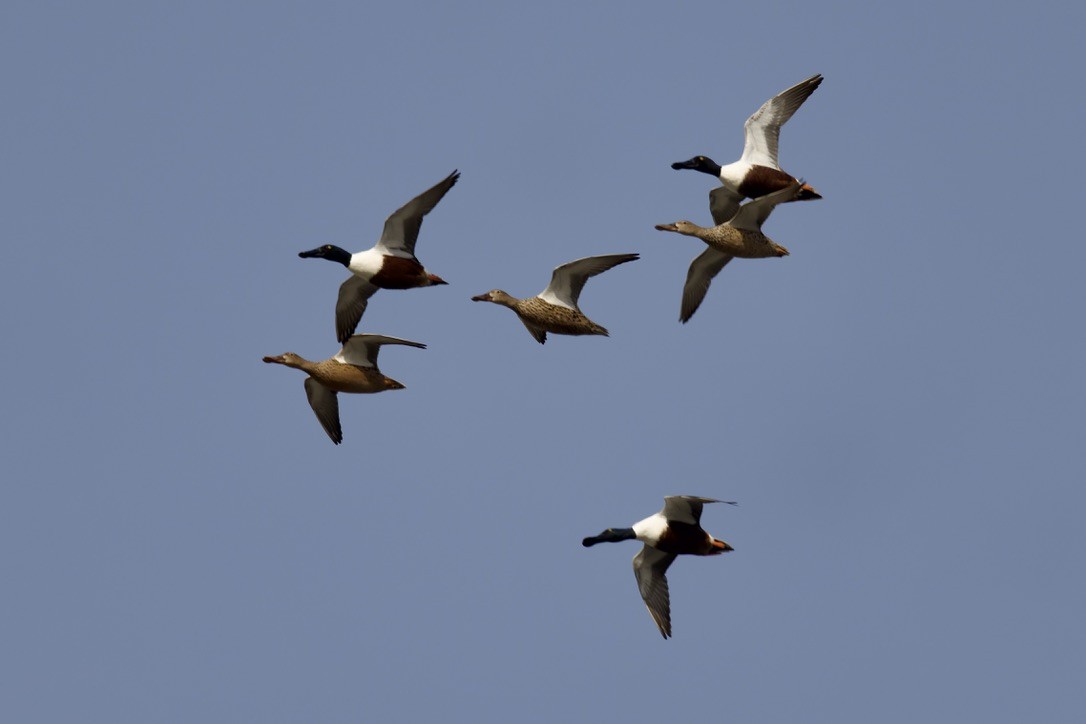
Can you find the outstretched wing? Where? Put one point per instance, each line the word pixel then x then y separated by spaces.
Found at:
pixel 723 203
pixel 702 270
pixel 763 129
pixel 687 508
pixel 538 333
pixel 568 280
pixel 361 349
pixel 753 214
pixel 402 228
pixel 354 294
pixel 325 404
pixel 649 566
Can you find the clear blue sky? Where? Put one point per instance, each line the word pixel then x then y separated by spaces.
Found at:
pixel 898 406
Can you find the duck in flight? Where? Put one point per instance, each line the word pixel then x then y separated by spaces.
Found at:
pixel 740 236
pixel 555 308
pixel 757 172
pixel 673 531
pixel 352 369
pixel 390 264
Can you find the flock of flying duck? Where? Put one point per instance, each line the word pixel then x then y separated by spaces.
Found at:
pixel 391 264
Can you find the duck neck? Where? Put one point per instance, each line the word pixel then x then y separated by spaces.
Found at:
pixel 300 363
pixel 338 254
pixel 507 300
pixel 611 535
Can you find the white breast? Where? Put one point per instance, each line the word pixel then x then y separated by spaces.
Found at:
pixel 732 175
pixel 366 263
pixel 650 529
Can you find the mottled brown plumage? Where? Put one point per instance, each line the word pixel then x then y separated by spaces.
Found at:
pixel 740 236
pixel 741 243
pixel 541 317
pixel 555 308
pixel 339 377
pixel 353 369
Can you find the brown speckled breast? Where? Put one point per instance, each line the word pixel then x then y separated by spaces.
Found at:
pixel 348 378
pixel 559 320
pixel 742 243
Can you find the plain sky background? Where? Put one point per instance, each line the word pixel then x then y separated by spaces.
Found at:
pixel 898 406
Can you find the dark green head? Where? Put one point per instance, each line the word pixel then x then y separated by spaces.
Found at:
pixel 699 163
pixel 329 252
pixel 611 535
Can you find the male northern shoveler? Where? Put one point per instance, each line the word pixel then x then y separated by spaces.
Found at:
pixel 757 172
pixel 390 264
pixel 673 531
pixel 352 369
pixel 555 308
pixel 739 236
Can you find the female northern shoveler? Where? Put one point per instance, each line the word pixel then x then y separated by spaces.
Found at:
pixel 390 264
pixel 674 530
pixel 555 308
pixel 739 236
pixel 353 369
pixel 757 172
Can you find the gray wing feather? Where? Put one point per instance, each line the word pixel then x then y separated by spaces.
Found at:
pixel 325 404
pixel 763 128
pixel 354 294
pixel 650 567
pixel 753 214
pixel 723 203
pixel 539 334
pixel 687 508
pixel 568 280
pixel 402 227
pixel 700 275
pixel 361 350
